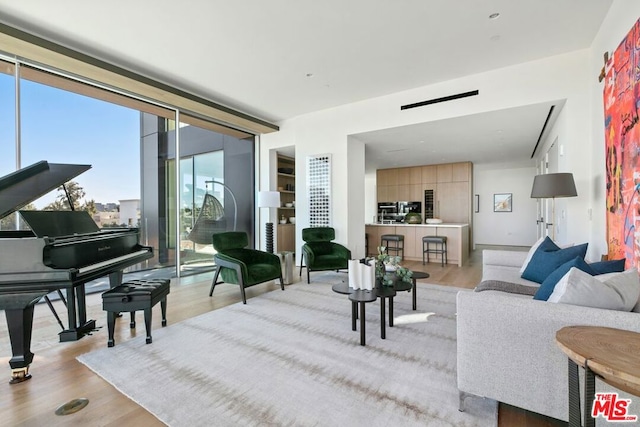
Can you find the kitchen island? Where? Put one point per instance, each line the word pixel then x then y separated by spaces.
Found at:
pixel 457 239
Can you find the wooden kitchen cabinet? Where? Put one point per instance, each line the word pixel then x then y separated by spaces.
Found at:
pixel 415 175
pixel 461 171
pixel 381 193
pixel 451 182
pixel 429 174
pixel 403 176
pixel 387 176
pixel 444 173
pixel 457 240
pixel 453 202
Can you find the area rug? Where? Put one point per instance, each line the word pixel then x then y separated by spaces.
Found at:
pixel 291 359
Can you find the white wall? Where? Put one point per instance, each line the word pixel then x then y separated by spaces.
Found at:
pixel 516 228
pixel 571 77
pixel 553 78
pixel 356 196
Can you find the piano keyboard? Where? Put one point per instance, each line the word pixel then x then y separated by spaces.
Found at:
pixel 110 261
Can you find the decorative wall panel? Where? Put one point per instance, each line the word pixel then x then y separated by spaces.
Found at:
pixel 319 188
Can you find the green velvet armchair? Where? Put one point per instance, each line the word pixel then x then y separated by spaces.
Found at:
pixel 236 263
pixel 320 253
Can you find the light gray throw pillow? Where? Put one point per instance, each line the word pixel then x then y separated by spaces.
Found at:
pixel 614 291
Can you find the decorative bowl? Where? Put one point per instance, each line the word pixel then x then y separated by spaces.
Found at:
pixel 289 205
pixel 283 221
pixel 292 219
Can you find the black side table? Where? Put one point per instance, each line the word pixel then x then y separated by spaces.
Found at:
pixel 343 288
pixel 363 297
pixel 417 275
pixel 385 292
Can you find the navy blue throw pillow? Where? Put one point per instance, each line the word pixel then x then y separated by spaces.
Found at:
pixel 544 262
pixel 604 267
pixel 546 288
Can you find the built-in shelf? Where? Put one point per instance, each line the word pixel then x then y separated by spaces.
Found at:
pixel 286 184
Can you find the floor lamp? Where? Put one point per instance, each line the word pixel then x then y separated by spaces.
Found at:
pixel 550 186
pixel 269 199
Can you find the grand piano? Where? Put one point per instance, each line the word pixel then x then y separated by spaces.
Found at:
pixel 63 250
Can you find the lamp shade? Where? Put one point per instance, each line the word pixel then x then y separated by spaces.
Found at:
pixel 552 185
pixel 268 199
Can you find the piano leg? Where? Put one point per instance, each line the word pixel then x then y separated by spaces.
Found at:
pixel 115 278
pixel 20 323
pixel 77 329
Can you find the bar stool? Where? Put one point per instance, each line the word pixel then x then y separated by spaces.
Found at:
pixel 397 239
pixel 440 243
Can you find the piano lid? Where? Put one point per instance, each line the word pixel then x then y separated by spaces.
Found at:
pixel 26 185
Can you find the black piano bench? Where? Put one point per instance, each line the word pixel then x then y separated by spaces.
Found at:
pixel 132 296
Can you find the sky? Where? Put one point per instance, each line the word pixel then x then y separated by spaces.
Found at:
pixel 63 127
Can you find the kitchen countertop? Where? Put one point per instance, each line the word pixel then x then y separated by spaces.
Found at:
pixel 400 224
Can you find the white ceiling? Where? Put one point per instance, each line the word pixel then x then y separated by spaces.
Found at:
pixel 279 59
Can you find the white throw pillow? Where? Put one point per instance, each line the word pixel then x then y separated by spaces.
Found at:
pixel 530 254
pixel 618 291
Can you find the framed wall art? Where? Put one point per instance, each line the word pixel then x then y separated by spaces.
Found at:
pixel 319 188
pixel 502 202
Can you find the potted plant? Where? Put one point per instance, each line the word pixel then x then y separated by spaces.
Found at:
pixel 413 218
pixel 388 269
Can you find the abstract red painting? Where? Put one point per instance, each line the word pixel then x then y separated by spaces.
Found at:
pixel 622 144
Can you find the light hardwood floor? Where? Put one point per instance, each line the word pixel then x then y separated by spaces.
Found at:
pixel 58 377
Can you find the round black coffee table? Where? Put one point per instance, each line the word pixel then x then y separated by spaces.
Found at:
pixel 385 292
pixel 343 288
pixel 362 297
pixel 417 275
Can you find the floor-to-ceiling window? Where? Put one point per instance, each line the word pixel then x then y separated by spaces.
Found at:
pixel 131 146
pixel 7 130
pixel 215 189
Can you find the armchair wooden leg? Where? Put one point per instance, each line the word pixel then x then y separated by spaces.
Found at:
pixel 281 283
pixel 308 276
pixel 215 280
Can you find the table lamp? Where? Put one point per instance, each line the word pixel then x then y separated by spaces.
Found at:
pixel 550 186
pixel 269 199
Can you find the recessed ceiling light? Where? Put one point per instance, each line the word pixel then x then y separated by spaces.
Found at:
pixel 495 15
pixel 309 75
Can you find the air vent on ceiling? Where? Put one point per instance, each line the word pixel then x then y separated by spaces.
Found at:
pixel 544 127
pixel 443 99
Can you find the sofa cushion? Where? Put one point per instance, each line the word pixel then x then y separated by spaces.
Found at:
pixel 548 285
pixel 531 252
pixel 620 291
pixel 548 257
pixel 613 266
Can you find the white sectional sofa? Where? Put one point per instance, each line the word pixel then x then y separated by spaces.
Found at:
pixel 506 342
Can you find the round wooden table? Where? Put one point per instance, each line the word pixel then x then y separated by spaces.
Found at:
pixel 612 354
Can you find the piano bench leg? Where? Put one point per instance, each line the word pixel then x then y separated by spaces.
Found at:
pixel 147 323
pixel 163 307
pixel 111 323
pixel 132 325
